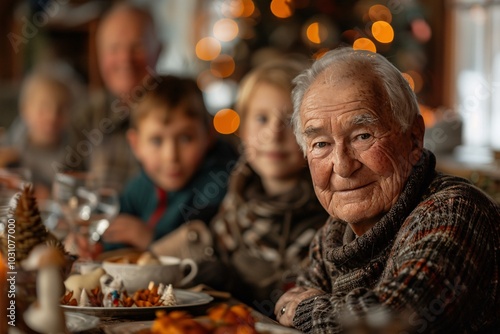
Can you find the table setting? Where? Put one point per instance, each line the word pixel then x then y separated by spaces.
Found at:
pixel 90 295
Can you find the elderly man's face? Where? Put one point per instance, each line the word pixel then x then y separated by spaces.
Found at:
pixel 125 52
pixel 358 155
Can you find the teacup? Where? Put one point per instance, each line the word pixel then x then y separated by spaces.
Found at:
pixel 172 270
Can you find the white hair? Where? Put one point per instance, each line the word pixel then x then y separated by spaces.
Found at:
pixel 401 98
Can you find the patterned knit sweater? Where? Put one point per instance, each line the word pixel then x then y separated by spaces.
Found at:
pixel 265 239
pixel 433 259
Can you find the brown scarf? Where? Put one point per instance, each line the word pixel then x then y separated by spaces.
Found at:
pixel 266 238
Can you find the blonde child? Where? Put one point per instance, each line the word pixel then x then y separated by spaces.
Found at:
pixel 184 167
pixel 270 214
pixel 43 132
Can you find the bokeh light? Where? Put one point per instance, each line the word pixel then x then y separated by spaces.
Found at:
pixel 428 115
pixel 421 30
pixel 380 13
pixel 315 31
pixel 225 30
pixel 320 31
pixel 364 43
pixel 222 66
pixel 208 48
pixel 226 121
pixel 248 8
pixel 409 79
pixel 220 94
pixel 232 8
pixel 320 53
pixel 417 79
pixel 282 8
pixel 383 32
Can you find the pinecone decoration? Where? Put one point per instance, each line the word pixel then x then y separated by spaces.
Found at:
pixel 30 230
pixel 54 242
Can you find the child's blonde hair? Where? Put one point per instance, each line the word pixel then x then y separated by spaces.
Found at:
pixel 58 75
pixel 172 94
pixel 279 73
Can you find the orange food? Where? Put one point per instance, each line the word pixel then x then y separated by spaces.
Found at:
pixel 176 322
pixel 222 319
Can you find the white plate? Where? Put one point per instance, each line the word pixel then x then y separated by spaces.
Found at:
pixel 78 322
pixel 184 299
pixel 134 327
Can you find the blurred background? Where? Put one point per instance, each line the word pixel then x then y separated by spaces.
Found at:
pixel 448 51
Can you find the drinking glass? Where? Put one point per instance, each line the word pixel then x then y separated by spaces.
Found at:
pixel 88 205
pixel 74 192
pixel 106 210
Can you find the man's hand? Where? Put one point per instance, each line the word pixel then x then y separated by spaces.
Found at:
pixel 287 304
pixel 130 230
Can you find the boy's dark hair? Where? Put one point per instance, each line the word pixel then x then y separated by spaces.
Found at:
pixel 172 94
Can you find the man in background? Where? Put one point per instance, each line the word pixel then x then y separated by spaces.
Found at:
pixel 127 51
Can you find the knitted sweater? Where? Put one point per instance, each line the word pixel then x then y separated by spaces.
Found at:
pixel 433 258
pixel 264 239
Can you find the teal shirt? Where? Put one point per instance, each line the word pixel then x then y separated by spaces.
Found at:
pixel 199 199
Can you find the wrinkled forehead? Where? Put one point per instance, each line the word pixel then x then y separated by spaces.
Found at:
pixel 346 84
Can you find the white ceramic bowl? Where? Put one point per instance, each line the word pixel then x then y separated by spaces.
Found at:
pixel 170 271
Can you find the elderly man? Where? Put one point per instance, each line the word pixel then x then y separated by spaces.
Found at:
pixel 127 51
pixel 402 238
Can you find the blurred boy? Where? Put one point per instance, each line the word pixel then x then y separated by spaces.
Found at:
pixel 184 167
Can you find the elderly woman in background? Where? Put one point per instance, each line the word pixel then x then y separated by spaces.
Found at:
pixel 402 237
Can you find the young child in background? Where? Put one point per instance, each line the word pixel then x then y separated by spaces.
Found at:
pixel 43 132
pixel 270 214
pixel 181 160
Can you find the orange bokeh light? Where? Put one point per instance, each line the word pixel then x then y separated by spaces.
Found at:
pixel 225 30
pixel 383 32
pixel 380 13
pixel 226 121
pixel 313 32
pixel 248 8
pixel 320 53
pixel 222 66
pixel 364 44
pixel 208 48
pixel 409 79
pixel 417 79
pixel 282 8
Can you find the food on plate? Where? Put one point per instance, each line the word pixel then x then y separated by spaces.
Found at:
pixel 92 298
pixel 110 293
pixel 176 322
pixel 221 319
pixel 160 295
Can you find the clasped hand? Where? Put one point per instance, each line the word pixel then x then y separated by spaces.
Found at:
pixel 287 304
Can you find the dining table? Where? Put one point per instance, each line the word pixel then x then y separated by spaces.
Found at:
pixel 122 322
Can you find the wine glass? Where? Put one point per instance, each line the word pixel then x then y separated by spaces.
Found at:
pixel 105 211
pixel 73 191
pixel 88 205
